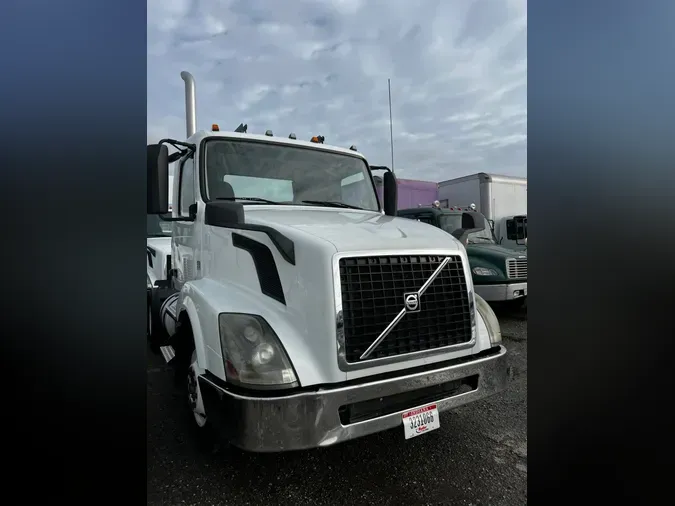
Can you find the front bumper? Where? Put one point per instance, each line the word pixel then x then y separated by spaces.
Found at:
pixel 321 417
pixel 498 293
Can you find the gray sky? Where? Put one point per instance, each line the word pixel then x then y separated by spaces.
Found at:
pixel 320 67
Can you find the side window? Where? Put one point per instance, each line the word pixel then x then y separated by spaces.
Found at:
pixel 424 218
pixel 516 228
pixel 187 187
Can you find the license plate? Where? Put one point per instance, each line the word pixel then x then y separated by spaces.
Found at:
pixel 421 420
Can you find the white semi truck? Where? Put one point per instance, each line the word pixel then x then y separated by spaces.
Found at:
pixel 302 313
pixel 502 199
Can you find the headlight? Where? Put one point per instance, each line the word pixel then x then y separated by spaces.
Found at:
pixel 482 271
pixel 252 352
pixel 490 319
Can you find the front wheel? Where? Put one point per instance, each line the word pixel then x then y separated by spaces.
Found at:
pixel 156 333
pixel 148 325
pixel 195 399
pixel 205 434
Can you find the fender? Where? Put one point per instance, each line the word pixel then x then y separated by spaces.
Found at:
pixel 205 299
pixel 187 305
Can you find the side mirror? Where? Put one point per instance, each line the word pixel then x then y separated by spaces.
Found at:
pixel 158 179
pixel 390 194
pixel 473 221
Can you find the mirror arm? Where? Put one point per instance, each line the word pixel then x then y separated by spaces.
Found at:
pixel 189 150
pixel 175 144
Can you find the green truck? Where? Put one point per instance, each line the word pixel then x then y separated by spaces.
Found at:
pixel 499 274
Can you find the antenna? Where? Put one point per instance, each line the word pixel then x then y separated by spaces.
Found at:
pixel 391 130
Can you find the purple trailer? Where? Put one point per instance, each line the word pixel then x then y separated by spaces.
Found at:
pixel 411 192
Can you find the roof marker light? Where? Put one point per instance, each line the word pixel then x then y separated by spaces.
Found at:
pixel 268 133
pixel 353 148
pixel 292 136
pixel 215 128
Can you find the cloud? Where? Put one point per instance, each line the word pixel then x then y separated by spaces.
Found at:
pixel 458 72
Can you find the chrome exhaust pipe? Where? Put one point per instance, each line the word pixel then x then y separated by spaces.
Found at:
pixel 190 103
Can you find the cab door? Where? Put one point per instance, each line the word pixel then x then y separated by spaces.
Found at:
pixel 185 241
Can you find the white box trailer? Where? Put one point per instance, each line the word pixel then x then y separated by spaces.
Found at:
pixel 502 199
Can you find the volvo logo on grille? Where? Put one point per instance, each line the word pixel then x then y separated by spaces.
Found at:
pixel 412 302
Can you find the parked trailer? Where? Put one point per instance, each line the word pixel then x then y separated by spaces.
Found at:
pixel 502 199
pixel 270 310
pixel 412 192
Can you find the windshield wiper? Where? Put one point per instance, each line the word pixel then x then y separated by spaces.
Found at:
pixel 252 199
pixel 328 203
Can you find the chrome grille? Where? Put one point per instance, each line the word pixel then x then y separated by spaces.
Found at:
pixel 516 268
pixel 373 291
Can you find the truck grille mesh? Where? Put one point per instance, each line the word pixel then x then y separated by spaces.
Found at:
pixel 516 268
pixel 372 295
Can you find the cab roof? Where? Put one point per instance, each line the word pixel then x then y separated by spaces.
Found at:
pixel 435 210
pixel 199 136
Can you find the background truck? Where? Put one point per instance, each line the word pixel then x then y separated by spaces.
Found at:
pixel 499 273
pixel 300 314
pixel 411 192
pixel 502 199
pixel 158 250
pixel 158 258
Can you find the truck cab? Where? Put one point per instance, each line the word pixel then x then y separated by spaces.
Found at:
pixel 499 273
pixel 298 309
pixel 511 232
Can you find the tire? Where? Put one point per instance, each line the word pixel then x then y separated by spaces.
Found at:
pixel 156 333
pixel 195 400
pixel 148 321
pixel 206 436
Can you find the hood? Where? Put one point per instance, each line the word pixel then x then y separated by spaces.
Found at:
pixel 351 230
pixel 493 250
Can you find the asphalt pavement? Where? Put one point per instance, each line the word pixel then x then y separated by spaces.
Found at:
pixel 478 456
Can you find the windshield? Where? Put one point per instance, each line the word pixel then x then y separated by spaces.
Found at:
pixel 452 222
pixel 157 227
pixel 286 174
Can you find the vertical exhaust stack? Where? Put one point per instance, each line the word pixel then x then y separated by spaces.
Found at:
pixel 190 103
